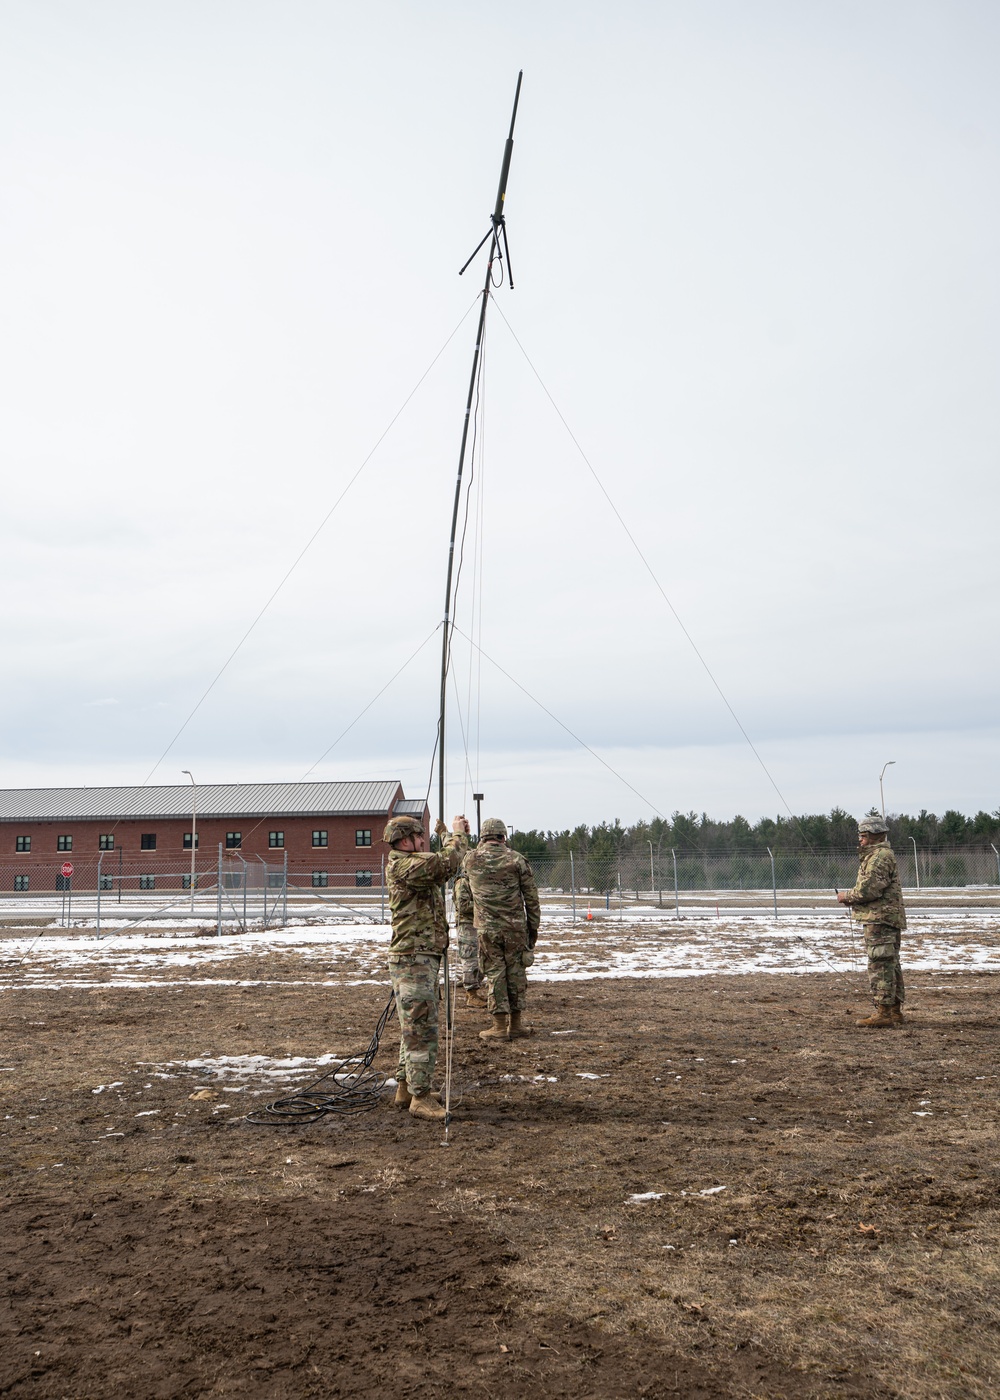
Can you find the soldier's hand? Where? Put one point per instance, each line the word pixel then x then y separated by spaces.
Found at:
pixel 841 897
pixel 460 826
pixel 439 828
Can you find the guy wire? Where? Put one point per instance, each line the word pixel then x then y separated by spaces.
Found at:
pixel 613 771
pixel 310 541
pixel 656 582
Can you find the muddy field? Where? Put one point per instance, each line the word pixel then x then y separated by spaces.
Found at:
pixel 691 1186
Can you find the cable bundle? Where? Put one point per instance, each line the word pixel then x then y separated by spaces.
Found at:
pixel 356 1088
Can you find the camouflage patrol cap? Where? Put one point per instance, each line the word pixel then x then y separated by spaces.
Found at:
pixel 398 828
pixel 872 826
pixel 493 826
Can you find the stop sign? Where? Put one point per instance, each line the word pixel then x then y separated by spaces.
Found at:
pixel 67 870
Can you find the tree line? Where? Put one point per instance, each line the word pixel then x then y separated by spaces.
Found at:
pixel 688 832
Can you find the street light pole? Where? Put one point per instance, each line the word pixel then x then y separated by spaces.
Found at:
pixel 652 877
pixel 194 829
pixel 880 788
pixel 477 798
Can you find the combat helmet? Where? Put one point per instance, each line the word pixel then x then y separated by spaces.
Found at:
pixel 398 828
pixel 872 825
pixel 493 826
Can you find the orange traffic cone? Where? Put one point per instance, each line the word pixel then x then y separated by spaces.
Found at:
pixel 589 914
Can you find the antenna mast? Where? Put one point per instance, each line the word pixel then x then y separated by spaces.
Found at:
pixel 495 236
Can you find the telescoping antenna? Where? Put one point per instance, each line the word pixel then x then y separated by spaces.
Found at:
pixel 495 236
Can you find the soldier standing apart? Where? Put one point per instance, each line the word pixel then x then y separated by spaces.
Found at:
pixel 468 942
pixel 878 898
pixel 416 879
pixel 507 918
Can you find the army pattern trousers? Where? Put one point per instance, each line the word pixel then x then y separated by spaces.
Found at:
pixel 468 956
pixel 414 980
pixel 503 971
pixel 885 975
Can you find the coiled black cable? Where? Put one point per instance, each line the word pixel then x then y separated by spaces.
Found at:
pixel 356 1088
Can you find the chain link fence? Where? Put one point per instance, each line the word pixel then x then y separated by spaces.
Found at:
pixel 642 873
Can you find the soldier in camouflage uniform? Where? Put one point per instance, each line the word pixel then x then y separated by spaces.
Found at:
pixel 878 898
pixel 416 879
pixel 507 918
pixel 468 942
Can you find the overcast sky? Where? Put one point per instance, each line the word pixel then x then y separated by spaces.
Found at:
pixel 755 254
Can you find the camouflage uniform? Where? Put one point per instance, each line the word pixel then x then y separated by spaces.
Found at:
pixel 468 942
pixel 507 918
pixel 878 899
pixel 416 881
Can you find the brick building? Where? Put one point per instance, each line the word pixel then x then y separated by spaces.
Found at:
pixel 328 834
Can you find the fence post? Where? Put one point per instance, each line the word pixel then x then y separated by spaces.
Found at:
pixel 677 895
pixel 619 894
pixel 572 882
pixel 99 859
pixel 774 883
pixel 218 896
pixel 284 893
pixel 382 887
pixel 916 862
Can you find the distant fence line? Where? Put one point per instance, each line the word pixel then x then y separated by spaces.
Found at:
pixel 752 870
pixel 632 872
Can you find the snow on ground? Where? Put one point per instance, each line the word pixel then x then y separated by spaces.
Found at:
pixel 606 947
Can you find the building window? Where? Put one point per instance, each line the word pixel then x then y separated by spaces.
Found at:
pixel 231 881
pixel 186 841
pixel 147 841
pixel 23 843
pixel 106 842
pixel 320 838
pixel 320 879
pixel 363 838
pixel 21 881
pixel 275 838
pixel 186 882
pixel 362 877
pixel 147 882
pixel 275 879
pixel 107 882
pixel 64 882
pixel 64 843
pixel 234 840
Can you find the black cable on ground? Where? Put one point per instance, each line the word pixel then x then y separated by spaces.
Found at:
pixel 355 1088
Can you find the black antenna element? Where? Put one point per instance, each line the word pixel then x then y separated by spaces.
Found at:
pixel 497 232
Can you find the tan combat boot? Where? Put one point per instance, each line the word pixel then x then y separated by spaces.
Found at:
pixel 896 1012
pixel 475 996
pixel 426 1106
pixel 403 1095
pixel 882 1018
pixel 498 1030
pixel 516 1030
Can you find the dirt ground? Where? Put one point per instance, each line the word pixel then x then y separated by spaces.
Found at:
pixel 818 1212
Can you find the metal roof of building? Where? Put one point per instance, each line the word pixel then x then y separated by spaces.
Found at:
pixel 212 800
pixel 409 807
